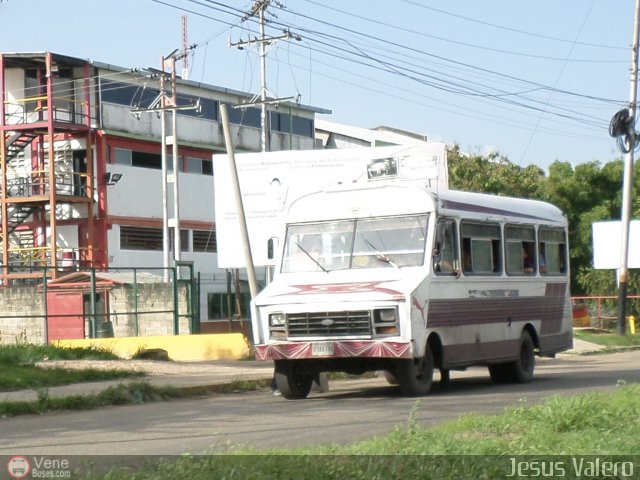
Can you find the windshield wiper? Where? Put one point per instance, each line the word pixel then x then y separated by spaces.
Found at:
pixel 311 257
pixel 382 257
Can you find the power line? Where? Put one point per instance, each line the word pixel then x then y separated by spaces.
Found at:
pixel 511 29
pixel 462 86
pixel 457 42
pixel 423 52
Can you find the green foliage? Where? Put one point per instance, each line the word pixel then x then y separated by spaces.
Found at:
pixel 18 370
pixel 493 173
pixel 29 353
pixel 607 338
pixel 23 377
pixel 132 393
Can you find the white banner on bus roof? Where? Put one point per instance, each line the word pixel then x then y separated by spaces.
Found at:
pixel 606 244
pixel 271 180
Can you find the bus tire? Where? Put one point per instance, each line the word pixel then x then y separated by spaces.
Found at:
pixel 520 370
pixel 415 376
pixel 292 383
pixel 390 377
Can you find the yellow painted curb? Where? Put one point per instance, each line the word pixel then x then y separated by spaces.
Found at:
pixel 222 346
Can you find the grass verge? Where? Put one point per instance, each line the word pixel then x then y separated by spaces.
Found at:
pixel 31 377
pixel 18 372
pixel 556 431
pixel 28 353
pixel 133 393
pixel 124 394
pixel 607 338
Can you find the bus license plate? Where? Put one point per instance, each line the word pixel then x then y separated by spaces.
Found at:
pixel 322 349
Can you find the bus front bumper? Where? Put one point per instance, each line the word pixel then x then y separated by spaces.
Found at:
pixel 334 349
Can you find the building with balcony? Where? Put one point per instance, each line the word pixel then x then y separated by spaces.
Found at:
pixel 81 167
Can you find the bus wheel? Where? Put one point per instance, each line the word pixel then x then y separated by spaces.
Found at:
pixel 522 368
pixel 519 371
pixel 415 375
pixel 292 383
pixel 390 377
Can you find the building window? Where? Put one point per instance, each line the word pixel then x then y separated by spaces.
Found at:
pixel 146 160
pixel 222 305
pixel 205 241
pixel 208 108
pixel 249 116
pixel 193 165
pixel 122 156
pixel 207 167
pixel 184 240
pixel 140 238
pixel 286 123
pixel 137 96
pixel 126 94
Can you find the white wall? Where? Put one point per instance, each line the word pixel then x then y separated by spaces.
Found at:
pixel 139 194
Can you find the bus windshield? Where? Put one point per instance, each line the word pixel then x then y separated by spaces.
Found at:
pixel 358 243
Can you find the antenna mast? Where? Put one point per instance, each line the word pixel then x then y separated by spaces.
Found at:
pixel 185 49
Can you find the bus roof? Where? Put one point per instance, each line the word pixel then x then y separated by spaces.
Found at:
pixel 406 198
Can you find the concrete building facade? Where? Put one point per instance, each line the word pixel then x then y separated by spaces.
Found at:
pixel 82 172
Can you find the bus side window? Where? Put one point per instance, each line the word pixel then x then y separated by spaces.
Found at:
pixel 521 249
pixel 552 251
pixel 481 248
pixel 445 253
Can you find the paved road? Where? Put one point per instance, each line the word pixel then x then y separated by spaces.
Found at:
pixel 352 410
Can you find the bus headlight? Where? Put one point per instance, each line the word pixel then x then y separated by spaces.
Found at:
pixel 277 319
pixel 387 315
pixel 277 326
pixel 385 321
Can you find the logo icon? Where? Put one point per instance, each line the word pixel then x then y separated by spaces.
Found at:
pixel 18 467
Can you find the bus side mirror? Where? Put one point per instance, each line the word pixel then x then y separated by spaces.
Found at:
pixel 272 245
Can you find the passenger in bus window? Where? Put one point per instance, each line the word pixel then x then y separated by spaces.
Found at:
pixel 467 267
pixel 528 262
pixel 542 262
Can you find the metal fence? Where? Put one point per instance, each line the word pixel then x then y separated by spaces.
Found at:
pixel 95 303
pixel 601 311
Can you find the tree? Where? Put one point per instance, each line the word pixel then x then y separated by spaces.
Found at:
pixel 494 174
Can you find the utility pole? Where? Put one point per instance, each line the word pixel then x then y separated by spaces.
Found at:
pixel 627 183
pixel 161 104
pixel 259 8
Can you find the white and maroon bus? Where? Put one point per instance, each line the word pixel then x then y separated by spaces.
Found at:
pixel 400 278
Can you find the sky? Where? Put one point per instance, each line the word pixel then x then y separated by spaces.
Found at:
pixel 536 81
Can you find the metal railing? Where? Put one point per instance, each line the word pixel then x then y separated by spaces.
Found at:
pixel 601 311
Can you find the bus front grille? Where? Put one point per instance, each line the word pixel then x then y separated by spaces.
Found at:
pixel 320 324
